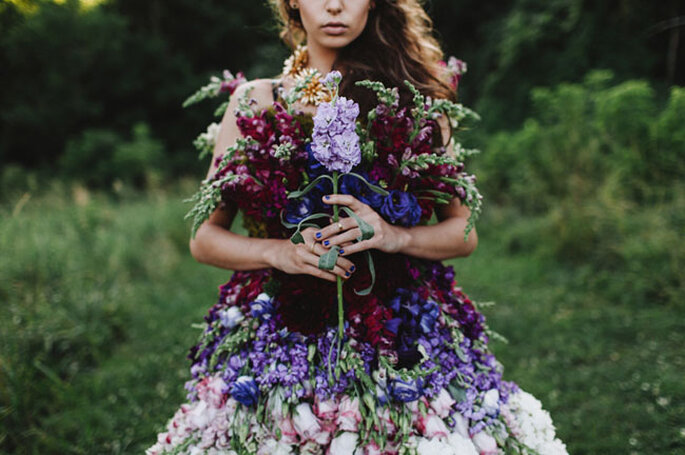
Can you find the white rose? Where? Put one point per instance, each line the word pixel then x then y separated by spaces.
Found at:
pixel 442 403
pixel 461 425
pixel 273 447
pixel 305 422
pixel 434 447
pixel 485 443
pixel 491 401
pixel 432 426
pixel 344 444
pixel 461 445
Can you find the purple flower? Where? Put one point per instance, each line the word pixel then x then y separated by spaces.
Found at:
pixel 335 143
pixel 245 390
pixel 401 208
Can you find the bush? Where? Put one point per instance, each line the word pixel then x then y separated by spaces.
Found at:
pixel 599 166
pixel 100 157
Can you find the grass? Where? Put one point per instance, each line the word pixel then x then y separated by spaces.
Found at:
pixel 99 296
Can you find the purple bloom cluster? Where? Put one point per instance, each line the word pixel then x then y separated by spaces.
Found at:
pixel 402 208
pixel 335 143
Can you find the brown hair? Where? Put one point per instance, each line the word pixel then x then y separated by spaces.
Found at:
pixel 397 44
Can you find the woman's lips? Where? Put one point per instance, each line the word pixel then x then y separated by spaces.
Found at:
pixel 334 28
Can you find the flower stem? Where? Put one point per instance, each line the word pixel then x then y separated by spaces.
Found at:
pixel 341 314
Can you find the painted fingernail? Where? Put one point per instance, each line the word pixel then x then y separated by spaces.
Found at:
pixel 342 251
pixel 326 242
pixel 347 273
pixel 352 267
pixel 318 235
pixel 326 197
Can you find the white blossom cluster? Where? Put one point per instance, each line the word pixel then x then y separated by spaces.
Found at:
pixel 531 424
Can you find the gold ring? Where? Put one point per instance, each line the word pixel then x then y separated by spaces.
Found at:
pixel 340 226
pixel 311 247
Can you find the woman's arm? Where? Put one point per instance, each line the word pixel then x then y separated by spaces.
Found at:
pixel 216 245
pixel 443 240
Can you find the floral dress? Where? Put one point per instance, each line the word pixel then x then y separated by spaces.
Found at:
pixel 411 371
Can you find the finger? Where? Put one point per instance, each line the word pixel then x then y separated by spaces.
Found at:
pixel 344 199
pixel 317 272
pixel 313 260
pixel 357 247
pixel 336 227
pixel 345 237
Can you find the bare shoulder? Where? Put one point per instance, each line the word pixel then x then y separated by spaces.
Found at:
pixel 261 90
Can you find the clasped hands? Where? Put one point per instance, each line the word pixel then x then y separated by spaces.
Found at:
pixel 304 257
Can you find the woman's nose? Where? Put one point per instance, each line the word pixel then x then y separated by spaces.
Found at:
pixel 334 6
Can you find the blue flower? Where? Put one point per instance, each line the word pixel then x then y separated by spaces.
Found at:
pixel 352 185
pixel 231 317
pixel 245 390
pixel 262 307
pixel 406 391
pixel 300 208
pixel 402 208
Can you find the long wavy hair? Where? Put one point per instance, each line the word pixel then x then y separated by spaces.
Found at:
pixel 396 45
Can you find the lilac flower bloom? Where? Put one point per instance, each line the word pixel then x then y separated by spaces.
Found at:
pixel 335 143
pixel 245 390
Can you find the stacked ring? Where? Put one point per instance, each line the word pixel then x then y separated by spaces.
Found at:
pixel 340 226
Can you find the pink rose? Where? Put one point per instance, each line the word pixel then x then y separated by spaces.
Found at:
pixel 348 414
pixel 432 426
pixel 325 409
pixel 372 448
pixel 386 421
pixel 288 433
pixel 210 390
pixel 305 422
pixel 485 443
pixel 442 404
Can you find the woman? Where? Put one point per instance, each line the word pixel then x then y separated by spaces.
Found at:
pixel 464 407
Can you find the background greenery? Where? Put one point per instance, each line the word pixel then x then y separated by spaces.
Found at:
pixel 581 244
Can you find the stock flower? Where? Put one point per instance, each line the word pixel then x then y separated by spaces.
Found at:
pixel 245 390
pixel 335 143
pixel 262 307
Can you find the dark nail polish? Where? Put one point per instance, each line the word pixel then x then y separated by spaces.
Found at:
pixel 342 251
pixel 318 235
pixel 352 268
pixel 326 242
pixel 327 197
pixel 347 273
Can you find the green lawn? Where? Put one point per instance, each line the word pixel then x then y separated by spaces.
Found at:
pixel 99 297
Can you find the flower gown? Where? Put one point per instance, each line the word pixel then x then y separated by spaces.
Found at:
pixel 412 373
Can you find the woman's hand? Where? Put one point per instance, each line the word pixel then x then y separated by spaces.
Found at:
pixel 303 258
pixel 386 237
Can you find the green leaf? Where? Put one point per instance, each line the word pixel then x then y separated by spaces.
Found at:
pixel 297 238
pixel 372 271
pixel 366 228
pixel 308 188
pixel 327 260
pixel 372 187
